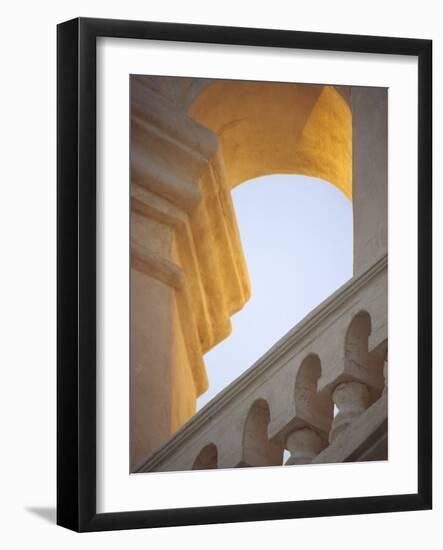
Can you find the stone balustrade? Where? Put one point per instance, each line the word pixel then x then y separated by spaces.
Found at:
pixel 319 393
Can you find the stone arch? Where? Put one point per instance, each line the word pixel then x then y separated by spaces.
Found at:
pixel 257 450
pixel 312 408
pixel 362 379
pixel 308 374
pixel 356 344
pixel 359 364
pixel 268 128
pixel 207 458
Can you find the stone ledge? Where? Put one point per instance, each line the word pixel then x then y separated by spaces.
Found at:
pixel 156 266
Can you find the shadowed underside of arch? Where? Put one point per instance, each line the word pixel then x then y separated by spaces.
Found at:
pixel 266 128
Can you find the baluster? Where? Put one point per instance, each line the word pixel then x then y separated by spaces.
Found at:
pixel 351 398
pixel 303 444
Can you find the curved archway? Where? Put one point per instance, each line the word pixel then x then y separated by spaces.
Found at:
pixel 311 408
pixel 257 449
pixel 297 240
pixel 308 374
pixel 356 342
pixel 359 363
pixel 207 458
pixel 267 128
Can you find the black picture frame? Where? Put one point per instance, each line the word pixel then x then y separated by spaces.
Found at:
pixel 76 273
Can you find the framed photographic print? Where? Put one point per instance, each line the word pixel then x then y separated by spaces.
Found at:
pixel 244 258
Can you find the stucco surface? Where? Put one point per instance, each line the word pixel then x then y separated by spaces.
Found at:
pixel 267 128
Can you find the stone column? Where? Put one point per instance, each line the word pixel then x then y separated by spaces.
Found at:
pixel 369 175
pixel 188 274
pixel 351 398
pixel 304 445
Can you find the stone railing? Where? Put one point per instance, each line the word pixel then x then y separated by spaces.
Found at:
pixel 319 393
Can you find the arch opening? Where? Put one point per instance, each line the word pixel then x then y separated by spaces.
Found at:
pixel 267 131
pixel 307 399
pixel 297 239
pixel 257 449
pixel 313 409
pixel 207 458
pixel 360 364
pixel 356 342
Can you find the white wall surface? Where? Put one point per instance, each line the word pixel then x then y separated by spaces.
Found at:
pixel 27 277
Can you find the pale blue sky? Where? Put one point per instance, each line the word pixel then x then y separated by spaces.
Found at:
pixel 297 238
